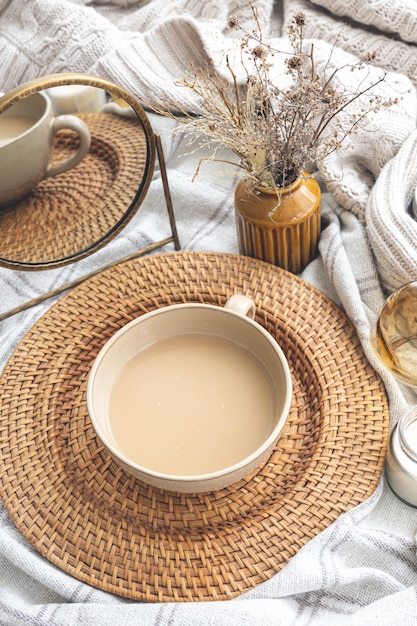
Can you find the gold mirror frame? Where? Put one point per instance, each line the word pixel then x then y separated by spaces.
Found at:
pixel 153 149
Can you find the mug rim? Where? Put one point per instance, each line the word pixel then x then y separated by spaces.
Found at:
pixel 191 478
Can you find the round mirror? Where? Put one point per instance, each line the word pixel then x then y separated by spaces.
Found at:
pixel 77 155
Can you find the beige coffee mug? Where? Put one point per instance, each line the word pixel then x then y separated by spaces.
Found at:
pixel 190 397
pixel 76 98
pixel 27 131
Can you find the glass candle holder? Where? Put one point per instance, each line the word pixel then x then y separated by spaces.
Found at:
pixel 401 462
pixel 394 336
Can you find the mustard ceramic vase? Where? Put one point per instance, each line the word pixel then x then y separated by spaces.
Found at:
pixel 279 226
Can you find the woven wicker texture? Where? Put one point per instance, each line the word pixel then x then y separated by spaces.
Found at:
pixel 87 516
pixel 66 214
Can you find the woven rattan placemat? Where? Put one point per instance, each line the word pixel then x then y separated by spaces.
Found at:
pixel 66 214
pixel 73 503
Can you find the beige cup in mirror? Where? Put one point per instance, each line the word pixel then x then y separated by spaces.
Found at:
pixel 190 397
pixel 76 98
pixel 27 131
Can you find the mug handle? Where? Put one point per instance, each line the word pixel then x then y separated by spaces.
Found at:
pixel 77 125
pixel 241 304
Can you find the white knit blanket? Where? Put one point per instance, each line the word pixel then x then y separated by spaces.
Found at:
pixel 363 569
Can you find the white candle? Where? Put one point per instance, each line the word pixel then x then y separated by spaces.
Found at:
pixel 401 462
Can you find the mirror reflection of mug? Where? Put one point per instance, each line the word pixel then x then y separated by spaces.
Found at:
pixel 76 98
pixel 27 131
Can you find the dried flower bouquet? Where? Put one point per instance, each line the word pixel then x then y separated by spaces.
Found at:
pixel 275 127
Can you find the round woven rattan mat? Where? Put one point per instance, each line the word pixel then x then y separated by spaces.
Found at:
pixel 87 516
pixel 68 213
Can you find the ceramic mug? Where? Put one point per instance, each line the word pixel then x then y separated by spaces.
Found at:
pixel 76 98
pixel 27 131
pixel 190 397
